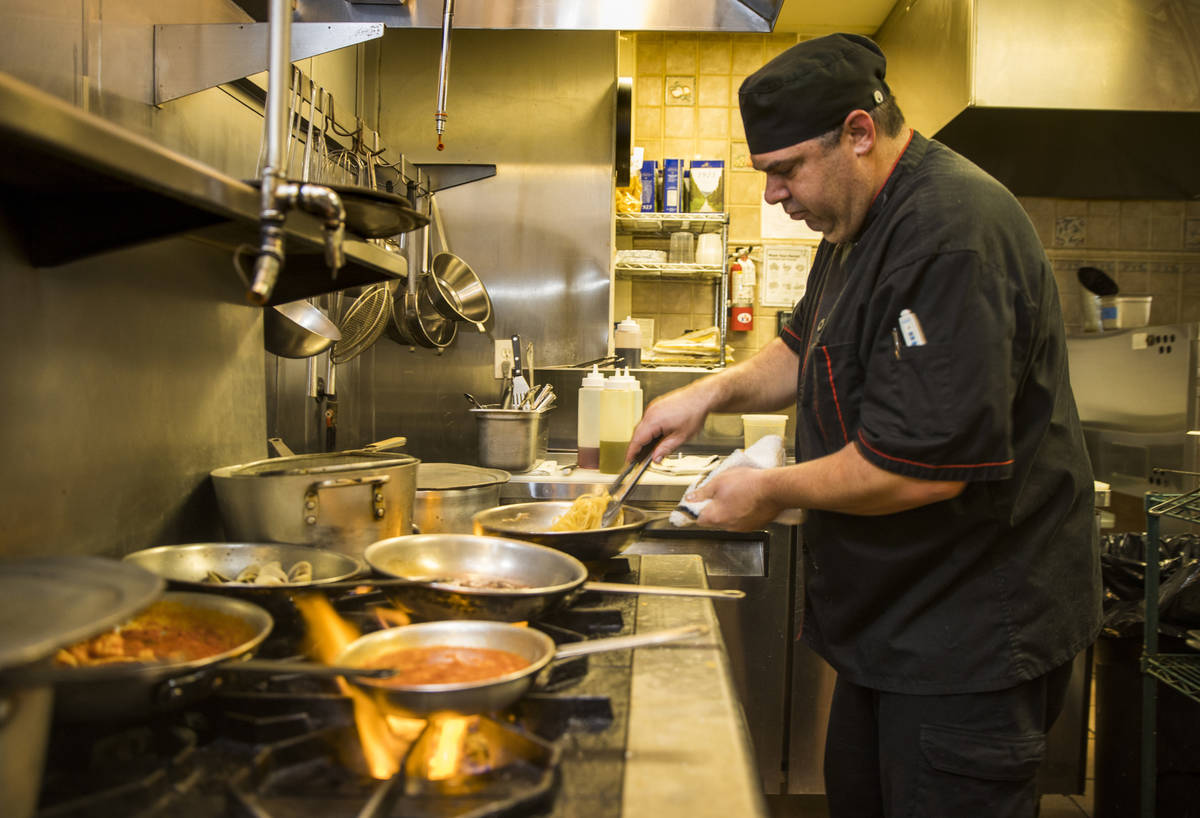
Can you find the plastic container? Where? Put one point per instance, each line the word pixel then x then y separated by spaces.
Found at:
pixel 627 342
pixel 1125 311
pixel 616 426
pixel 588 420
pixel 708 250
pixel 756 427
pixel 682 249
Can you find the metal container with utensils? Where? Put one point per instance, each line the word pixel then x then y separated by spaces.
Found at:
pixel 511 439
pixel 343 501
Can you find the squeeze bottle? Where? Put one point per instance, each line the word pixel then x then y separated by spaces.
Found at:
pixel 627 341
pixel 616 409
pixel 588 423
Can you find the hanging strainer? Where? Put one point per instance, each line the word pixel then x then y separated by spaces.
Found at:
pixel 363 323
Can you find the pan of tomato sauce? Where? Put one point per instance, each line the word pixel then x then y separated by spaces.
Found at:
pixel 472 666
pixel 163 658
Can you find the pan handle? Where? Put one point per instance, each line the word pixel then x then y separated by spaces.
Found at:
pixel 637 640
pixel 305 668
pixel 312 503
pixel 662 590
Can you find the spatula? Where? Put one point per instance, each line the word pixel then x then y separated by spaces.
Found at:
pixel 621 487
pixel 520 386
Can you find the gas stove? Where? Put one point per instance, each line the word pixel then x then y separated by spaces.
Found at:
pixel 285 746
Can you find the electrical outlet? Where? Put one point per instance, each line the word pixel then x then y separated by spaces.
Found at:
pixel 503 353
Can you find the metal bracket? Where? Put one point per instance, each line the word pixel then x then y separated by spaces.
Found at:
pixel 311 506
pixel 190 58
pixel 442 177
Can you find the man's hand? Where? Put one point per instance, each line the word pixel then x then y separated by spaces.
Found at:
pixel 677 416
pixel 738 500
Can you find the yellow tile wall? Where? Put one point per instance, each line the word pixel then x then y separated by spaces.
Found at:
pixel 1148 247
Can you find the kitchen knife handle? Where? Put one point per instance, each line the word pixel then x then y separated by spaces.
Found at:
pixel 516 342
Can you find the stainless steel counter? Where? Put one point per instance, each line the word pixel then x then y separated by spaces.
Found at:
pixel 688 754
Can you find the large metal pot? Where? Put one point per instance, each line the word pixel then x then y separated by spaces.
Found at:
pixel 448 494
pixel 342 501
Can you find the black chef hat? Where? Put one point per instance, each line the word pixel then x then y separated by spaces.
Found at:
pixel 808 90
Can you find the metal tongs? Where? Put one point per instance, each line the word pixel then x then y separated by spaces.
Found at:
pixel 620 488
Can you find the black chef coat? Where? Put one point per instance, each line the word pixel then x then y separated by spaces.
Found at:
pixel 1002 583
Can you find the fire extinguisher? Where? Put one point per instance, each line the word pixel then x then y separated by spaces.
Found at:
pixel 741 276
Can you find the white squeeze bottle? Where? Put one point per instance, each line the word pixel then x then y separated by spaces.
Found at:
pixel 588 427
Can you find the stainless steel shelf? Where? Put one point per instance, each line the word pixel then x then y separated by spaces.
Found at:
pixel 70 173
pixel 635 223
pixel 681 272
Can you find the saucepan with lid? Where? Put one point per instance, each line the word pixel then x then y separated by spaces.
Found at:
pixel 343 501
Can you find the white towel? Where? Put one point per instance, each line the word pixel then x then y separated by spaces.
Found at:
pixel 766 453
pixel 683 465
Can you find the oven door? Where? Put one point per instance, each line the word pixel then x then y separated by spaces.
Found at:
pixel 758 631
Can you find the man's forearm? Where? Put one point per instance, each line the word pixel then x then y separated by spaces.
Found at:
pixel 765 382
pixel 846 482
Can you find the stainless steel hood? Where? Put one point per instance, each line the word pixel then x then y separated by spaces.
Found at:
pixel 1070 98
pixel 572 15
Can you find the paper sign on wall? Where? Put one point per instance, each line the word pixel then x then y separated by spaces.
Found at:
pixel 777 224
pixel 784 273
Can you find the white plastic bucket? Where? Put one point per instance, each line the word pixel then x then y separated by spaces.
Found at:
pixel 755 427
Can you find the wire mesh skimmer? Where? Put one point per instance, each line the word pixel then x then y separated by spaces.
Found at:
pixel 363 323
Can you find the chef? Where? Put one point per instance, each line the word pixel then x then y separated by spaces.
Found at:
pixel 950 571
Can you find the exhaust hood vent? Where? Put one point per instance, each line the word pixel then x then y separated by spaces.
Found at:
pixel 1071 99
pixel 566 15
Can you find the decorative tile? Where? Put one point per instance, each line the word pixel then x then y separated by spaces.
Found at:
pixel 739 157
pixel 1070 231
pixel 1191 233
pixel 680 90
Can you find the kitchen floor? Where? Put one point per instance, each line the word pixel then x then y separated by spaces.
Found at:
pixel 1052 806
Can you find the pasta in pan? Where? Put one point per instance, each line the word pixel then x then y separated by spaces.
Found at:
pixel 584 513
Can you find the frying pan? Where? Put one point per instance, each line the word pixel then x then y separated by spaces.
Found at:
pixel 532 521
pixel 544 578
pixel 135 691
pixel 116 692
pixel 469 698
pixel 186 566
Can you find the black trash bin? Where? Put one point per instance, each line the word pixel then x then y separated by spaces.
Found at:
pixel 1118 685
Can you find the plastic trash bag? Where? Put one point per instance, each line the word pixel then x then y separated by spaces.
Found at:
pixel 1123 570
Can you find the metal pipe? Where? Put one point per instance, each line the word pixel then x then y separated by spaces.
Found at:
pixel 270 251
pixel 439 116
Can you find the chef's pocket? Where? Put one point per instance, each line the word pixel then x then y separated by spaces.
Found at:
pixel 965 772
pixel 835 381
pixel 920 391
